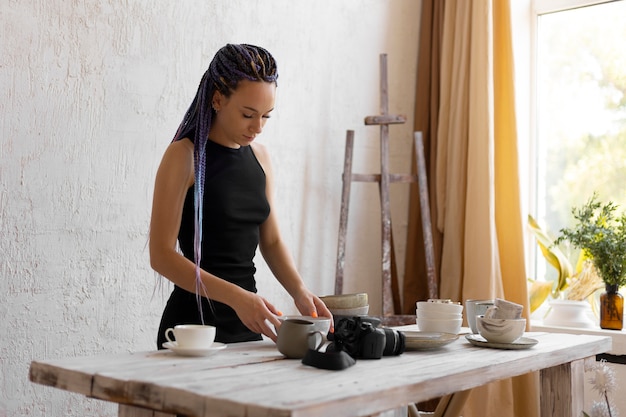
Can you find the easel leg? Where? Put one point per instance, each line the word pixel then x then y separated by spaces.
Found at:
pixel 343 215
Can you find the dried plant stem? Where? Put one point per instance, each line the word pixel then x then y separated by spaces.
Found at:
pixel 608 406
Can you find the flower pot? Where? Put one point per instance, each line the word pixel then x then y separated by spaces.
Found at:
pixel 569 313
pixel 611 309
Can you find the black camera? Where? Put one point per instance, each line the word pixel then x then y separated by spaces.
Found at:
pixel 361 338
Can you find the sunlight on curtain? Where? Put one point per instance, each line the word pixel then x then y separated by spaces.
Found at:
pixel 452 145
pixel 477 183
pixel 509 223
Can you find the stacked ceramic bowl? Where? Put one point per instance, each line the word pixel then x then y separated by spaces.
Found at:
pixel 443 316
pixel 347 304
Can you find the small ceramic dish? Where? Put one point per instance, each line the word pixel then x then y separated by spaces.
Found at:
pixel 185 351
pixel 521 343
pixel 500 330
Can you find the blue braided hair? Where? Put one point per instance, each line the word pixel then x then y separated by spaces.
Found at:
pixel 231 64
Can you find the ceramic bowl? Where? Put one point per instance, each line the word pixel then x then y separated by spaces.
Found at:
pixel 321 323
pixel 427 314
pixel 356 311
pixel 439 307
pixel 439 325
pixel 500 330
pixel 345 300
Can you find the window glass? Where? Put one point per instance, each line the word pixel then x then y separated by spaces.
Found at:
pixel 580 110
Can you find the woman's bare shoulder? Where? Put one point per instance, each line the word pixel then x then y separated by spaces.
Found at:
pixel 178 160
pixel 180 152
pixel 182 147
pixel 261 152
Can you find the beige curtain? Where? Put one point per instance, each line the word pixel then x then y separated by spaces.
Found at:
pixel 473 152
pixel 426 116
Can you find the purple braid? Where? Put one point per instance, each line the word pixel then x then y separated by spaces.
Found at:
pixel 231 64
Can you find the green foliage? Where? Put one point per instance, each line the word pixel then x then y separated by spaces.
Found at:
pixel 601 234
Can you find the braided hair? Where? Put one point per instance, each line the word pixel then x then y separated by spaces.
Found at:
pixel 231 64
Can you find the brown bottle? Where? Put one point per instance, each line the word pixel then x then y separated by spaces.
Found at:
pixel 611 309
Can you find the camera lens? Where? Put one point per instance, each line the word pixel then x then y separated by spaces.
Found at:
pixel 394 342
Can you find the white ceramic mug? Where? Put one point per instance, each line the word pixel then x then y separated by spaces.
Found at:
pixel 507 309
pixel 475 308
pixel 297 336
pixel 191 336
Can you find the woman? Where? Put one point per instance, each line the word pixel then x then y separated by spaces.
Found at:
pixel 215 175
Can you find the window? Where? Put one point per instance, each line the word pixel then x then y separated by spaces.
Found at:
pixel 579 109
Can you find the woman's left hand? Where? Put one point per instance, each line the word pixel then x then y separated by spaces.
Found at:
pixel 311 305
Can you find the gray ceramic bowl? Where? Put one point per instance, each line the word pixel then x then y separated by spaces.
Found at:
pixel 500 330
pixel 321 323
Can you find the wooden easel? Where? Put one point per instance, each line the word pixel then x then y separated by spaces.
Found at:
pixel 390 287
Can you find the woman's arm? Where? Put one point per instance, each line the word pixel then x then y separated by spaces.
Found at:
pixel 174 177
pixel 276 253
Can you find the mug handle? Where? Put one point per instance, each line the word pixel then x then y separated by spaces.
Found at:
pixel 167 335
pixel 312 341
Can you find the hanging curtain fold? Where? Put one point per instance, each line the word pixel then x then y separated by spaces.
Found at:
pixel 466 69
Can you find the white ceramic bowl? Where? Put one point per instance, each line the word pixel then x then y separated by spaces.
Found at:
pixel 321 323
pixel 356 311
pixel 439 307
pixel 500 330
pixel 345 300
pixel 439 325
pixel 427 314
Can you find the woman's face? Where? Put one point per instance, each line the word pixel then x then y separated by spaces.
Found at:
pixel 241 117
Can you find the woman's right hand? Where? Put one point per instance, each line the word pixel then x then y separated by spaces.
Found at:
pixel 257 314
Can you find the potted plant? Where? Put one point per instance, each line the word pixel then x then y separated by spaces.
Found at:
pixel 571 289
pixel 601 235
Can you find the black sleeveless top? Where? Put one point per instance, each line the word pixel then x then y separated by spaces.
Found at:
pixel 235 205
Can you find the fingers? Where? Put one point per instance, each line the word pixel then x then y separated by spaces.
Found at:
pixel 267 331
pixel 264 327
pixel 259 315
pixel 269 321
pixel 315 307
pixel 272 318
pixel 306 305
pixel 324 312
pixel 271 308
pixel 321 308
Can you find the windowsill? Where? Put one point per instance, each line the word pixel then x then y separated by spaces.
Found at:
pixel 619 336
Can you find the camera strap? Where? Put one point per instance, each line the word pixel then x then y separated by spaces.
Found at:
pixel 331 360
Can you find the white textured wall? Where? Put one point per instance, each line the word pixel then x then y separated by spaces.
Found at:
pixel 90 95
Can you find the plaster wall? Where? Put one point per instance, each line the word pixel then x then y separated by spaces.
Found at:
pixel 91 93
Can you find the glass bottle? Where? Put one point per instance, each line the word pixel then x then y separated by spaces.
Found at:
pixel 611 308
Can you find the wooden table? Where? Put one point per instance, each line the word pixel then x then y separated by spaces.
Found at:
pixel 254 380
